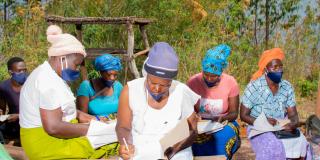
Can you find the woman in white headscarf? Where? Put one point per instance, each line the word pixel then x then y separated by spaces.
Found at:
pixel 51 126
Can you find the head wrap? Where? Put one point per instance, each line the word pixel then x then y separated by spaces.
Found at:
pixel 63 44
pixel 215 59
pixel 162 61
pixel 266 57
pixel 107 62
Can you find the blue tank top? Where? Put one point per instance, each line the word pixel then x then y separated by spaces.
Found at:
pixel 101 105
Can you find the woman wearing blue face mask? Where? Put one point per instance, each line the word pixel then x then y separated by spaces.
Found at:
pixel 219 102
pixel 268 95
pixel 151 106
pixel 100 96
pixel 51 125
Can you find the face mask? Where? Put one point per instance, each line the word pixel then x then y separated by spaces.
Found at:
pixel 156 97
pixel 275 76
pixel 68 74
pixel 19 77
pixel 108 83
pixel 211 84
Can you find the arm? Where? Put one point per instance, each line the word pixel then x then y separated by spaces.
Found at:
pixel 245 115
pixel 192 122
pixel 294 119
pixel 83 103
pixel 123 127
pixel 3 103
pixel 54 126
pixel 233 109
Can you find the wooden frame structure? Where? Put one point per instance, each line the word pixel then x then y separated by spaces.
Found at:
pixel 130 54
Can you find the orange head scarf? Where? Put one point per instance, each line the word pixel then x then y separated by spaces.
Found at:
pixel 266 57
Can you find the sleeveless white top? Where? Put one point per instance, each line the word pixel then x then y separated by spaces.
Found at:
pixel 150 125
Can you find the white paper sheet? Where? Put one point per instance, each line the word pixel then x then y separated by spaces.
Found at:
pixel 4 117
pixel 205 126
pixel 100 133
pixel 261 125
pixel 177 134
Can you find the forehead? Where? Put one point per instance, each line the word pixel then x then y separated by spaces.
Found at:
pixel 275 62
pixel 155 79
pixel 210 74
pixel 19 65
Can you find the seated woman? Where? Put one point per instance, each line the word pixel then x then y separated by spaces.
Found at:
pixel 48 115
pixel 267 93
pixel 100 96
pixel 219 102
pixel 151 106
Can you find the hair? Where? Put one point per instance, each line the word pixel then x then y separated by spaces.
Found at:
pixel 12 61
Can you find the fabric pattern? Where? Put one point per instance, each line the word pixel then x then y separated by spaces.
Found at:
pixel 258 97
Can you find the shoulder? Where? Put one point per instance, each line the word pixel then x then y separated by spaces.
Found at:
pixel 85 83
pixel 4 84
pixel 229 79
pixel 286 84
pixel 193 79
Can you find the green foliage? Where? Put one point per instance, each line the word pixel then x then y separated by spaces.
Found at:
pixel 307 88
pixel 177 22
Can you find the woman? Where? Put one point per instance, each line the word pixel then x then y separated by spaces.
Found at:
pixel 51 126
pixel 100 96
pixel 219 102
pixel 151 106
pixel 267 93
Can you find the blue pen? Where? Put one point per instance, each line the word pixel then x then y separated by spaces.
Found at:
pixel 108 118
pixel 98 118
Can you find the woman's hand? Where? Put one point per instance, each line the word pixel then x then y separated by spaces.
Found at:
pixel 272 121
pixel 125 153
pixel 84 117
pixel 289 127
pixel 170 152
pixel 13 117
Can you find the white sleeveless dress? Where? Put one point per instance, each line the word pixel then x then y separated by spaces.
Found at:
pixel 150 125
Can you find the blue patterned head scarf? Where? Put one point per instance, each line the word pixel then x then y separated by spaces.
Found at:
pixel 107 62
pixel 215 59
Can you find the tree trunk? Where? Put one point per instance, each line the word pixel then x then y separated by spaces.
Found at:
pixel 267 24
pixel 255 23
pixel 5 11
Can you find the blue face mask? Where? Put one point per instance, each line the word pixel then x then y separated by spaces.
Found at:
pixel 68 74
pixel 108 83
pixel 156 97
pixel 19 77
pixel 275 76
pixel 211 84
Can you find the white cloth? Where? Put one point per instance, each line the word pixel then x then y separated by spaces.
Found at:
pixel 295 147
pixel 149 125
pixel 45 89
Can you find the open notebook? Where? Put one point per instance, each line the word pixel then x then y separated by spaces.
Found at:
pixel 208 126
pixel 261 125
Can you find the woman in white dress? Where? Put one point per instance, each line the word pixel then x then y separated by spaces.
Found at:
pixel 151 106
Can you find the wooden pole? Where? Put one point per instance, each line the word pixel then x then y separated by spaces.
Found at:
pixel 132 63
pixel 83 69
pixel 144 36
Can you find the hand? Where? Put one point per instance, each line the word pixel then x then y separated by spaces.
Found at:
pixel 289 127
pixel 13 117
pixel 272 121
pixel 124 153
pixel 193 120
pixel 84 117
pixel 170 152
